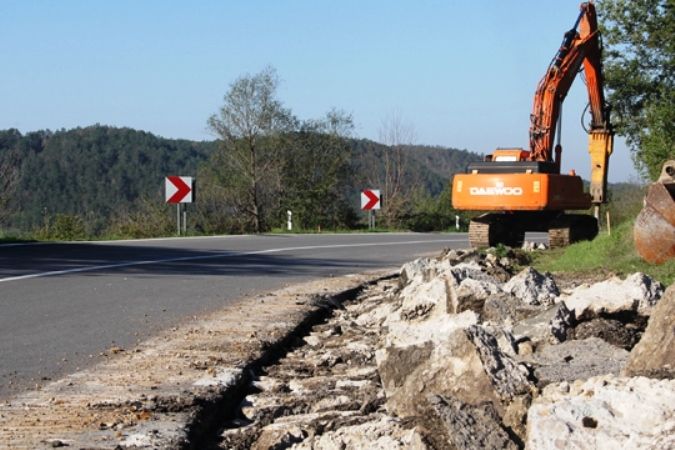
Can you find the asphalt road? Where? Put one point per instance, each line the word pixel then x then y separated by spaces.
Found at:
pixel 63 304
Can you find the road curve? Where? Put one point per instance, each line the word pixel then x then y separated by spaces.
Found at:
pixel 62 304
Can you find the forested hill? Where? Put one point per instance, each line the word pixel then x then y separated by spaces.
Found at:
pixel 430 168
pixel 98 171
pixel 92 171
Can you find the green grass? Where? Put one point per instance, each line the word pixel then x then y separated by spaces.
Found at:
pixel 613 253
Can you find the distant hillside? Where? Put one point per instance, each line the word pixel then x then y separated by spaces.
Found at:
pixel 94 171
pixel 428 167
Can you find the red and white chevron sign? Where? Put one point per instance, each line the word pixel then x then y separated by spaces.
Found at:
pixel 178 189
pixel 370 199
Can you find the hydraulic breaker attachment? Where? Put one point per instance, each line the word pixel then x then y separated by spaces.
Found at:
pixel 600 145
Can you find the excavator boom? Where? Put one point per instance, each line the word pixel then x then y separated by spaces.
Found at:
pixel 581 46
pixel 526 187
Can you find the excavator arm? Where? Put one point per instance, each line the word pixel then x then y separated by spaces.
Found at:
pixel 524 190
pixel 578 47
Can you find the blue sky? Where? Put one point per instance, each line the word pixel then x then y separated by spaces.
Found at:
pixel 462 73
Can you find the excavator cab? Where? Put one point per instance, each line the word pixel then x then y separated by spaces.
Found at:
pixel 509 155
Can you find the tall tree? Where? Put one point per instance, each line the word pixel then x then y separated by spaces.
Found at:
pixel 396 134
pixel 249 125
pixel 640 71
pixel 316 172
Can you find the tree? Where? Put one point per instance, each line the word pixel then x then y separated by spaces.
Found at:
pixel 640 73
pixel 250 124
pixel 396 134
pixel 316 173
pixel 9 170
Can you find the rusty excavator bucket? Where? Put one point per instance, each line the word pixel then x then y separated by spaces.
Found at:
pixel 654 230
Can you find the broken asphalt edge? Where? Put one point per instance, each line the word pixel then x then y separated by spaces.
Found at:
pixel 178 389
pixel 212 411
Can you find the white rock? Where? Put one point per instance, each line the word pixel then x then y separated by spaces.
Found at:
pixel 471 294
pixel 528 246
pixel 342 384
pixel 436 329
pixel 604 412
pixel 376 316
pixel 464 270
pixel 533 287
pixel 550 325
pixel 223 377
pixel 331 403
pixel 267 383
pixel 382 434
pixel 418 271
pixel 312 340
pixel 420 299
pixel 637 293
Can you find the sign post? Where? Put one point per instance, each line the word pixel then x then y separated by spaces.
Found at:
pixel 370 201
pixel 179 190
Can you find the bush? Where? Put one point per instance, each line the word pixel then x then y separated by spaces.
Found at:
pixel 63 227
pixel 151 219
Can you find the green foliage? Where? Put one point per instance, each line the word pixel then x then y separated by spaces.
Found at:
pixel 501 251
pixel 109 177
pixel 92 172
pixel 639 64
pixel 151 218
pixel 315 171
pixel 250 124
pixel 428 168
pixel 625 202
pixel 63 227
pixel 613 253
pixel 433 213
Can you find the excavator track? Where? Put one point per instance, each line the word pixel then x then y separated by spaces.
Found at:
pixel 491 229
pixel 488 230
pixel 570 228
pixel 479 234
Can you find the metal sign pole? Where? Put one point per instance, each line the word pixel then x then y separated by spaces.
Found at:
pixel 178 219
pixel 184 219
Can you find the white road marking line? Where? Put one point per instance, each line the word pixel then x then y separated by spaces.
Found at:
pixel 196 238
pixel 212 256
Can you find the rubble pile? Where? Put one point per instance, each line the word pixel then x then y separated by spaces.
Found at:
pixel 326 394
pixel 468 351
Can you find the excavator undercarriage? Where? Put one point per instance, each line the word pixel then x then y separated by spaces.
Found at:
pixel 490 229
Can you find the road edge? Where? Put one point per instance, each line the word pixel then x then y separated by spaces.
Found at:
pixel 173 391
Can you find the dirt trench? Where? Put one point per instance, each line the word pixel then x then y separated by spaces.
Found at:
pixel 327 385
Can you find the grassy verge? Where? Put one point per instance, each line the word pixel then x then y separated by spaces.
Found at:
pixel 613 253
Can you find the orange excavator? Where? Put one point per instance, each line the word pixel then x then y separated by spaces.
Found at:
pixel 524 188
